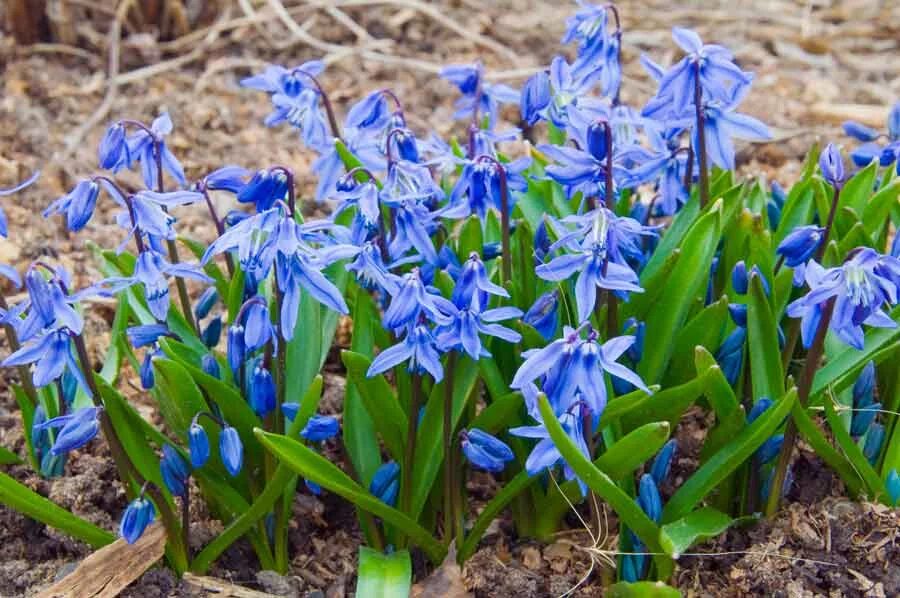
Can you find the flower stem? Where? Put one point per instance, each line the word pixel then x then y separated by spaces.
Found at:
pixel 449 486
pixel 506 263
pixel 409 456
pixel 220 226
pixel 700 151
pixel 186 519
pixel 326 103
pixel 803 388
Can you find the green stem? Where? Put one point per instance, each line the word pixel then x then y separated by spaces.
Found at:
pixel 282 505
pixel 409 456
pixel 449 515
pixel 803 388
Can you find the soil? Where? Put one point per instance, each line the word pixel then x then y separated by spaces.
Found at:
pixel 815 66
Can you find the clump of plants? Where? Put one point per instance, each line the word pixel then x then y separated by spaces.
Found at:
pixel 543 311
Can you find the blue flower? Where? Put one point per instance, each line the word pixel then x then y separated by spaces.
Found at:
pixel 874 442
pixel 411 299
pixel 210 366
pixel 175 471
pixel 302 111
pixel 665 165
pixel 231 450
pixel 146 334
pixel 864 387
pixel 148 214
pixel 264 188
pixel 535 98
pixel 76 429
pixel 143 146
pixel 278 79
pixel 861 287
pixel 478 94
pixel 418 347
pixel 730 355
pixel 236 349
pixel 485 451
pixel 262 391
pixel 227 178
pixel 659 471
pixel 148 380
pixel 151 269
pixel 831 163
pixel 481 183
pixel 258 328
pixel 462 334
pixel 386 483
pixel 543 316
pixel 52 354
pixel 800 245
pixel 320 428
pixel 113 150
pixel 198 445
pixel 205 303
pixel 473 280
pixel 138 515
pixel 77 205
pixel 871 150
pixel 4 227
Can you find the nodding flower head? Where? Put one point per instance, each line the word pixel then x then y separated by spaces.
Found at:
pixel 800 245
pixel 77 205
pixel 264 188
pixel 113 152
pixel 231 450
pixel 198 445
pixel 484 450
pixel 543 316
pixel 386 483
pixel 418 348
pixel 175 471
pixel 320 428
pixel 262 391
pixel 139 514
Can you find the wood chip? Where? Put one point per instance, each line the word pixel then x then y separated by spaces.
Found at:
pixel 111 569
pixel 210 586
pixel 446 581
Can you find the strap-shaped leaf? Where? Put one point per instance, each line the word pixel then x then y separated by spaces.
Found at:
pixel 823 449
pixel 679 535
pixel 854 454
pixel 729 458
pixel 762 340
pixel 383 575
pixel 320 470
pixel 380 401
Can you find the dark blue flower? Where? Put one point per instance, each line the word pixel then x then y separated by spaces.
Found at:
pixel 864 387
pixel 113 150
pixel 264 188
pixel 659 471
pixel 418 348
pixel 143 147
pixel 77 205
pixel 258 328
pixel 146 334
pixel 262 391
pixel 871 149
pixel 463 333
pixel 205 303
pixel 231 450
pixel 800 245
pixel 738 312
pixel 210 366
pixel 472 280
pixel 731 354
pixel 138 515
pixel 211 334
pixel 236 348
pixel 485 451
pixel 75 429
pixel 320 428
pixel 770 448
pixel 53 356
pixel 148 380
pixel 175 471
pixel 874 442
pixel 535 97
pixel 478 94
pixel 543 316
pixel 227 178
pixel 198 445
pixel 831 163
pixel 412 299
pixel 386 483
pixel 648 498
pixel 151 269
pixel 278 79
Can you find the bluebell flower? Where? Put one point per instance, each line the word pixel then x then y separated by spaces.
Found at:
pixel 320 428
pixel 264 188
pixel 863 418
pixel 385 483
pixel 211 334
pixel 740 278
pixel 4 226
pixel 149 215
pixel 665 165
pixel 770 448
pixel 210 366
pixel 861 288
pixel 253 239
pixel 412 299
pixel 871 150
pixel 831 163
pixel 208 298
pixel 262 391
pixel 139 514
pixel 480 182
pixel 198 445
pixel 473 280
pixel 738 312
pixel 231 450
pixel 148 380
pixel 258 328
pixel 370 112
pixel 236 350
pixel 143 146
pixel 759 407
pixel 77 205
pixel 52 355
pixel 576 365
pixel 418 347
pixel 478 94
pixel 892 483
pixel 874 442
pixel 485 451
pixel 535 98
pixel 113 148
pixel 545 455
pixel 662 463
pixel 289 81
pixel 800 245
pixel 649 499
pixel 864 387
pixel 146 334
pixel 543 316
pixel 151 269
pixel 463 333
pixel 226 178
pixel 303 112
pixel 363 196
pixel 75 429
pixel 329 166
pixel 371 271
pixel 730 355
pixel 175 471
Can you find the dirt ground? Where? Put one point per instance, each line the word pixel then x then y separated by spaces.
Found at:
pixel 816 63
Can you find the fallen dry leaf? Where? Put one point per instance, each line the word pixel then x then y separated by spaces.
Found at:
pixel 445 581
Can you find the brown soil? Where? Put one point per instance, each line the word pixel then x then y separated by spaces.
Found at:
pixel 815 67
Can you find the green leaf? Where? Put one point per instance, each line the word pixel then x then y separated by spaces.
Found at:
pixel 380 402
pixel 28 502
pixel 496 417
pixel 692 275
pixel 112 362
pixel 470 238
pixel 212 270
pixel 625 507
pixel 641 589
pixel 857 191
pixel 27 407
pixel 383 575
pixel 705 329
pixel 799 207
pixel 320 470
pixel 762 340
pixel 877 210
pixel 728 459
pixel 854 454
pixel 678 536
pixel 235 296
pixel 823 449
pixel 668 404
pixel 7 457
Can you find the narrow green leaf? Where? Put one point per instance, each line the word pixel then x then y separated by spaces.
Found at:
pixel 112 361
pixel 857 191
pixel 678 536
pixel 705 329
pixel 668 404
pixel 380 402
pixel 28 502
pixel 762 340
pixel 359 432
pixel 625 507
pixel 7 457
pixel 383 575
pixel 854 454
pixel 320 470
pixel 823 449
pixel 729 458
pixel 641 589
pixel 27 407
pixel 877 210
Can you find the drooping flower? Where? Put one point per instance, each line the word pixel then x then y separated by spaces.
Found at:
pixel 138 515
pixel 386 483
pixel 418 347
pixel 77 205
pixel 174 470
pixel 478 94
pixel 484 450
pixel 198 445
pixel 231 450
pixel 75 429
pixel 320 428
pixel 831 163
pixel 871 149
pixel 150 271
pixel 463 333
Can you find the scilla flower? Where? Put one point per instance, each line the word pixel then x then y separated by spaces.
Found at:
pixel 418 347
pixel 231 450
pixel 320 428
pixel 138 515
pixel 861 288
pixel 485 451
pixel 478 94
pixel 77 205
pixel 386 483
pixel 151 270
pixel 75 429
pixel 871 149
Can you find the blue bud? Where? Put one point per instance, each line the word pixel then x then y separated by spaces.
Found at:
pixel 632 568
pixel 39 435
pixel 874 441
pixel 210 366
pixel 138 515
pixel 263 188
pixel 320 428
pixel 542 242
pixel 778 194
pixel 290 410
pixel 759 407
pixel 864 387
pixel 731 354
pixel 69 384
pixel 738 313
pixel 206 302
pixel 535 97
pixel 231 450
pixel 639 329
pixel 258 328
pixel 386 483
pixel 800 245
pixel 145 334
pixel 313 487
pixel 596 140
pixel 648 498
pixel 739 279
pixel 755 271
pixel 491 251
pixel 861 421
pixel 174 470
pixel 770 448
pixel 892 483
pixel 262 391
pixel 485 451
pixel 146 371
pixel 773 214
pixel 198 445
pixel 213 331
pixel 543 316
pixel 860 131
pixel 831 164
pixel 237 350
pixel 887 156
pixel 659 471
pixel 113 150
